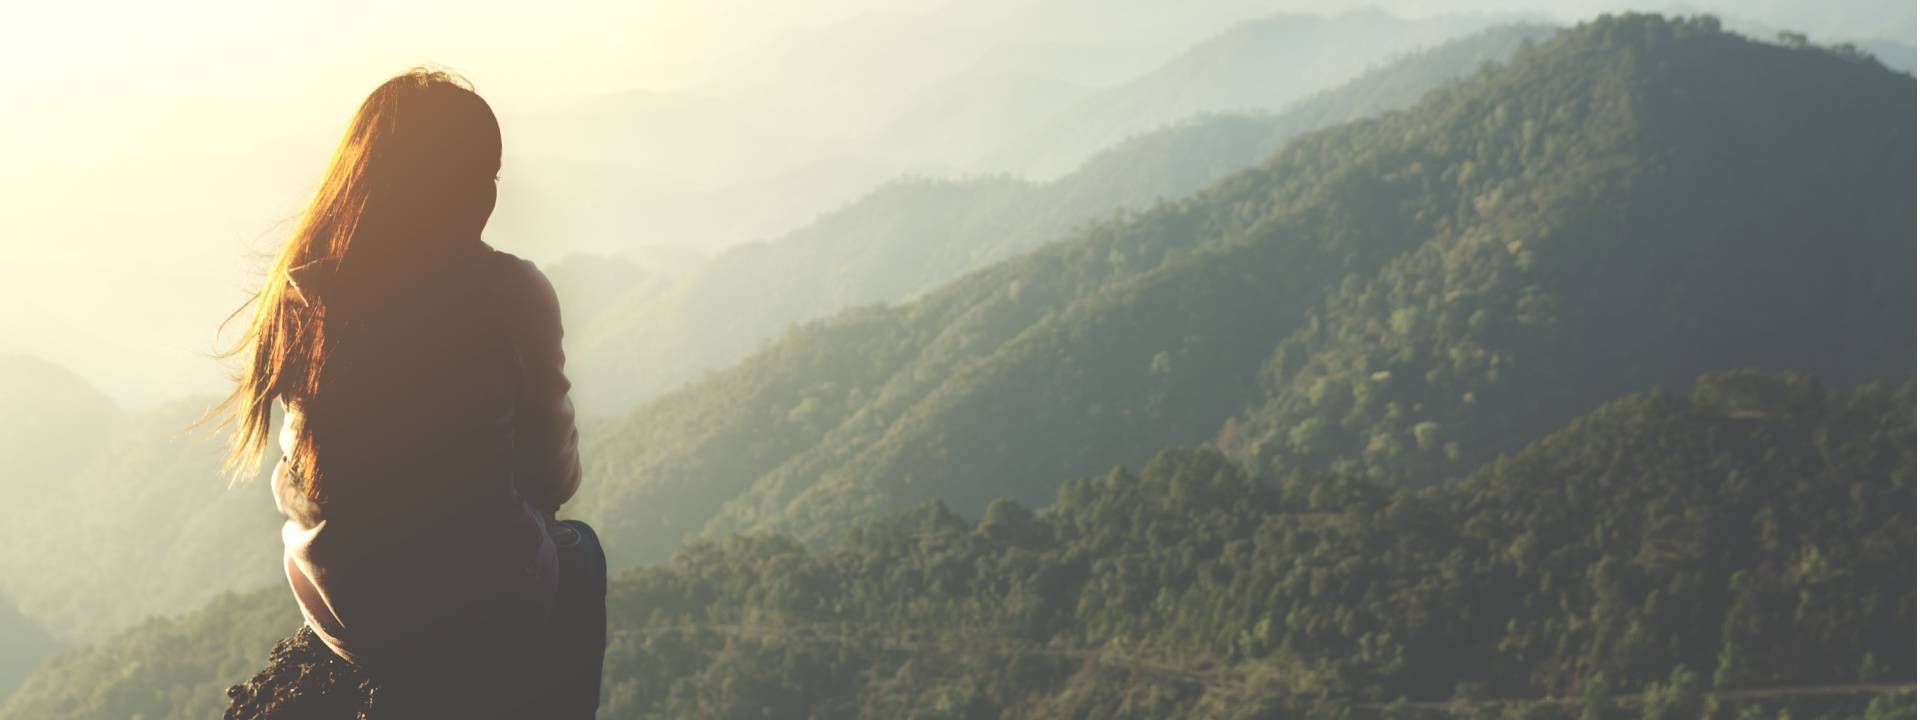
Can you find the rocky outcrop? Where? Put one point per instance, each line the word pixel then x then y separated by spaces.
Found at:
pixel 304 680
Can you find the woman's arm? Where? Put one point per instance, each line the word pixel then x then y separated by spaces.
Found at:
pixel 546 443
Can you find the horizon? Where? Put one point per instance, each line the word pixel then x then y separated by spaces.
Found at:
pixel 160 153
pixel 968 358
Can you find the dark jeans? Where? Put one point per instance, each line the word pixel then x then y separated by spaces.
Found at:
pixel 558 676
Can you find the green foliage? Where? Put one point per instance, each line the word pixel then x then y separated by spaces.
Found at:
pixel 1603 235
pixel 1396 298
pixel 1380 307
pixel 1676 699
pixel 1593 568
pixel 172 668
pixel 1189 589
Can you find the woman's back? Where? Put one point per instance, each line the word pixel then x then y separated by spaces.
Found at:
pixel 422 535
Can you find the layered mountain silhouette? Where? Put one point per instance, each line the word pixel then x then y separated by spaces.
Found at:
pixel 1377 331
pixel 52 421
pixel 912 235
pixel 1633 203
pixel 99 498
pixel 1258 65
pixel 111 516
pixel 27 645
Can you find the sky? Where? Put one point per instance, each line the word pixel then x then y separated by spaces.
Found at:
pixel 157 152
pixel 117 115
pixel 287 67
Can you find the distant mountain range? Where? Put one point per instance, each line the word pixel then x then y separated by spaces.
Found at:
pixel 1258 65
pixel 1367 305
pixel 911 235
pixel 1630 204
pixel 27 645
pixel 112 517
pixel 99 499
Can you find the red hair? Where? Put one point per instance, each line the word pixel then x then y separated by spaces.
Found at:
pixel 420 146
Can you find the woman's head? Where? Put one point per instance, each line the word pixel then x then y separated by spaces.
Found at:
pixel 415 172
pixel 411 183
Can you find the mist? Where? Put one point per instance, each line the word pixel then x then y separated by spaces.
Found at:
pixel 159 156
pixel 810 253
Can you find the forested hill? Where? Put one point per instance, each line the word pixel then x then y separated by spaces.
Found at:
pixel 1760 214
pixel 1752 533
pixel 50 420
pixel 26 643
pixel 1635 201
pixel 1746 546
pixel 913 235
pixel 95 500
pixel 146 509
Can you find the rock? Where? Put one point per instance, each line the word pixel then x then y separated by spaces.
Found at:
pixel 304 680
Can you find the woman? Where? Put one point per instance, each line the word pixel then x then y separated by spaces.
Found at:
pixel 428 438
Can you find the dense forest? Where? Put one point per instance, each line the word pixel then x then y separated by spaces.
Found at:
pixel 1437 411
pixel 1407 294
pixel 1541 295
pixel 164 667
pixel 911 235
pixel 1742 549
pixel 1756 533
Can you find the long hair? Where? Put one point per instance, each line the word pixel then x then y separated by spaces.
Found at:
pixel 412 178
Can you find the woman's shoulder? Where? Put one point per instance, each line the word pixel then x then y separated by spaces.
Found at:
pixel 518 277
pixel 522 294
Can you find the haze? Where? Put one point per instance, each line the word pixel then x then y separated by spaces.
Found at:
pixel 156 153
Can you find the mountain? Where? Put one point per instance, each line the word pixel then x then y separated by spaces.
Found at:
pixel 27 645
pixel 589 284
pixel 1659 554
pixel 1256 65
pixel 1191 590
pixel 817 119
pixel 1634 202
pixel 1536 307
pixel 1891 51
pixel 166 668
pixel 1371 326
pixel 50 422
pixel 880 62
pixel 911 235
pixel 626 171
pixel 958 121
pixel 139 524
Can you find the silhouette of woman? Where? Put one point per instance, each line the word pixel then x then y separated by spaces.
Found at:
pixel 428 438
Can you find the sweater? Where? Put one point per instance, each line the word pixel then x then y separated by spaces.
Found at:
pixel 443 453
